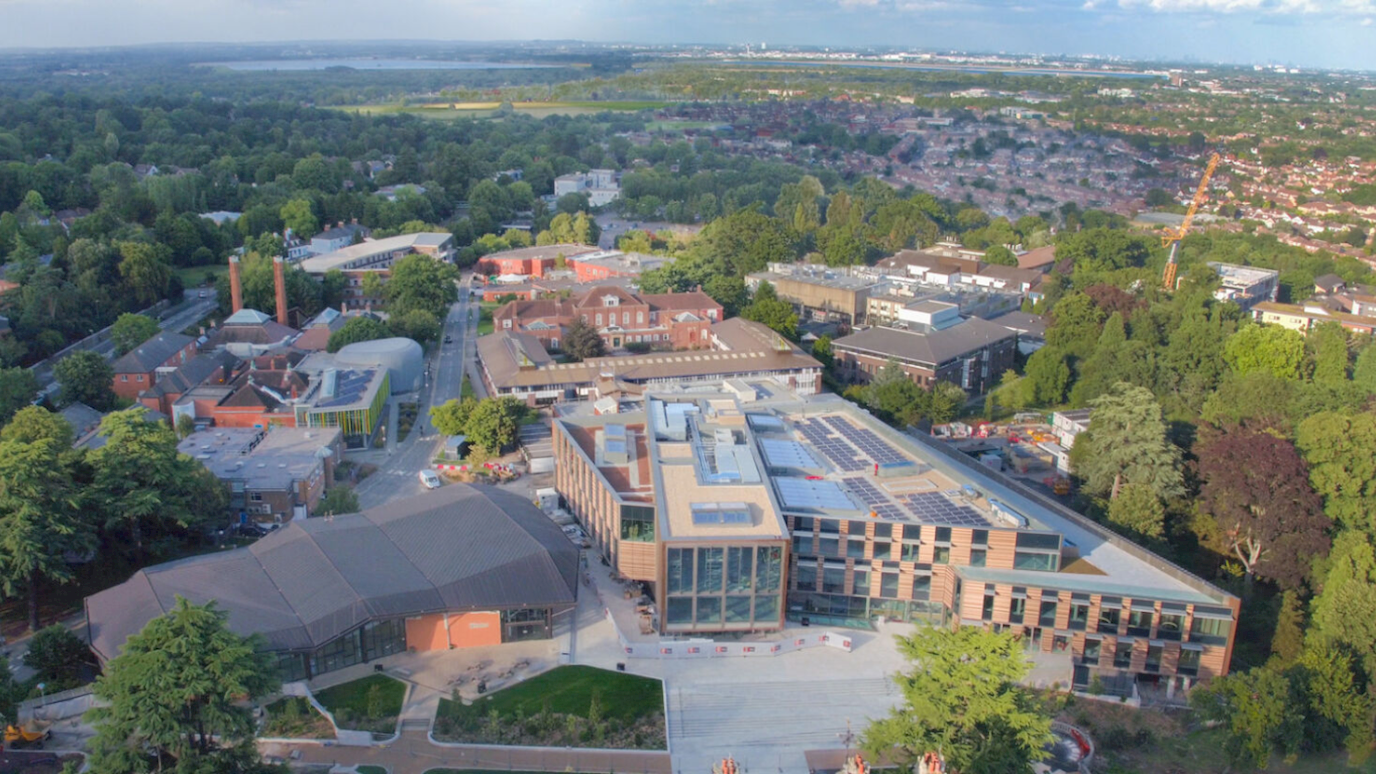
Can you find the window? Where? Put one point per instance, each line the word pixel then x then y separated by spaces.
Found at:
pixel 888 585
pixel 709 571
pixel 139 377
pixel 834 580
pixel 943 534
pixel 855 548
pixel 1189 662
pixel 829 526
pixel 987 612
pixel 883 530
pixel 1016 608
pixel 1139 623
pixel 979 537
pixel 506 324
pixel 978 557
pixel 1092 650
pixel 909 552
pixel 1047 615
pixel 1037 541
pixel 124 377
pixel 709 610
pixel 802 523
pixel 1170 626
pixel 680 610
pixel 599 319
pixel 680 576
pixel 807 576
pixel 638 523
pixel 1153 658
pixel 1079 616
pixel 767 608
pixel 922 587
pixel 1212 631
pixel 768 568
pixel 883 551
pixel 739 564
pixel 941 555
pixel 1023 560
pixel 625 318
pixel 256 497
pixel 1108 620
pixel 829 546
pixel 1122 655
pixel 738 609
pixel 860 582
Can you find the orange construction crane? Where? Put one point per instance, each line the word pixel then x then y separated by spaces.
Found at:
pixel 1172 238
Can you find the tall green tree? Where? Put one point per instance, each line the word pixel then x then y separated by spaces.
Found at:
pixel 451 417
pixel 355 330
pixel 777 314
pixel 1047 377
pixel 1327 345
pixel 175 696
pixel 18 388
pixel 131 330
pixel 1340 448
pixel 1271 348
pixel 1344 612
pixel 493 423
pixel 88 378
pixel 1257 713
pixel 298 216
pixel 35 423
pixel 146 269
pixel 142 483
pixel 1138 512
pixel 1126 443
pixel 962 701
pixel 39 520
pixel 421 282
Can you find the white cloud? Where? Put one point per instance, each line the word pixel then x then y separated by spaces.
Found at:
pixel 1328 7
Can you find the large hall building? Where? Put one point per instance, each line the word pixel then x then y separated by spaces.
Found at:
pixel 746 506
pixel 463 566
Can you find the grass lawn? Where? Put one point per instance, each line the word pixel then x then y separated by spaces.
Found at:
pixel 571 706
pixel 194 276
pixel 366 768
pixel 485 317
pixel 466 389
pixel 368 704
pixel 293 717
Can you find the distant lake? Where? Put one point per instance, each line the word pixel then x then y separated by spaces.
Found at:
pixel 297 65
pixel 957 68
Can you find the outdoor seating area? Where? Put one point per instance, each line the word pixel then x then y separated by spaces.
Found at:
pixel 483 676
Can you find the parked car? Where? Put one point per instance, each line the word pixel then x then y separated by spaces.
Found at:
pixel 430 479
pixel 448 339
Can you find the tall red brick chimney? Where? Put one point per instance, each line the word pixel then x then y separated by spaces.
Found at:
pixel 236 288
pixel 279 278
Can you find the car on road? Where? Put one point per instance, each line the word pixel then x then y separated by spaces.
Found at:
pixel 430 479
pixel 448 339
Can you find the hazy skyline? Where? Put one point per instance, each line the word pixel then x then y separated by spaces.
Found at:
pixel 1309 33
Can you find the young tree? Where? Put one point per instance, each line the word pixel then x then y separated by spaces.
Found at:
pixel 39 521
pixel 451 417
pixel 178 691
pixel 418 325
pixel 57 655
pixel 582 341
pixel 776 314
pixel 1340 448
pixel 1256 491
pixel 1047 378
pixel 1126 444
pixel 297 216
pixel 821 349
pixel 88 378
pixel 340 498
pixel 1327 344
pixel 999 255
pixel 142 482
pixel 131 330
pixel 493 423
pixel 357 329
pixel 963 702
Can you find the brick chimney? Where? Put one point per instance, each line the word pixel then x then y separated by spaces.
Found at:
pixel 279 278
pixel 236 288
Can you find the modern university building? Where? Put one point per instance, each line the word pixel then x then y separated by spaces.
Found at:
pixel 458 567
pixel 745 505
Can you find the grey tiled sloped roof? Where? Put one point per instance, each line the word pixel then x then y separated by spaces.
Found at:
pixel 459 548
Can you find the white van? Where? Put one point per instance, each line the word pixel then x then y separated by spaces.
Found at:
pixel 430 479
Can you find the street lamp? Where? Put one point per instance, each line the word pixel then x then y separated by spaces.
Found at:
pixel 43 692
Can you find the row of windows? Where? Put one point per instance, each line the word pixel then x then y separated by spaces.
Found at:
pixel 731 609
pixel 734 568
pixel 1169 624
pixel 833 581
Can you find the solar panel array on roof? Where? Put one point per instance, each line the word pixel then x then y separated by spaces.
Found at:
pixel 787 454
pixel 841 454
pixel 936 508
pixel 813 495
pixel 350 386
pixel 875 499
pixel 865 439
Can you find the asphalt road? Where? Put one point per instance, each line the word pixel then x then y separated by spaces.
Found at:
pixel 400 464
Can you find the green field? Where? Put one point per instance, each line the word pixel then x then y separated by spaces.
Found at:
pixel 353 707
pixel 194 276
pixel 449 111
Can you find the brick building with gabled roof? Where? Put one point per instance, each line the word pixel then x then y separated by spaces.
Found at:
pixel 662 320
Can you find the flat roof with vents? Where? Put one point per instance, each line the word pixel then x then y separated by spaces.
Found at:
pixel 801 494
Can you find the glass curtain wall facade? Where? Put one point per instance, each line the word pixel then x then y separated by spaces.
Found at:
pixel 716 588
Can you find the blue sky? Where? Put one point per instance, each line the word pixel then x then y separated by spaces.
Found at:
pixel 1311 33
